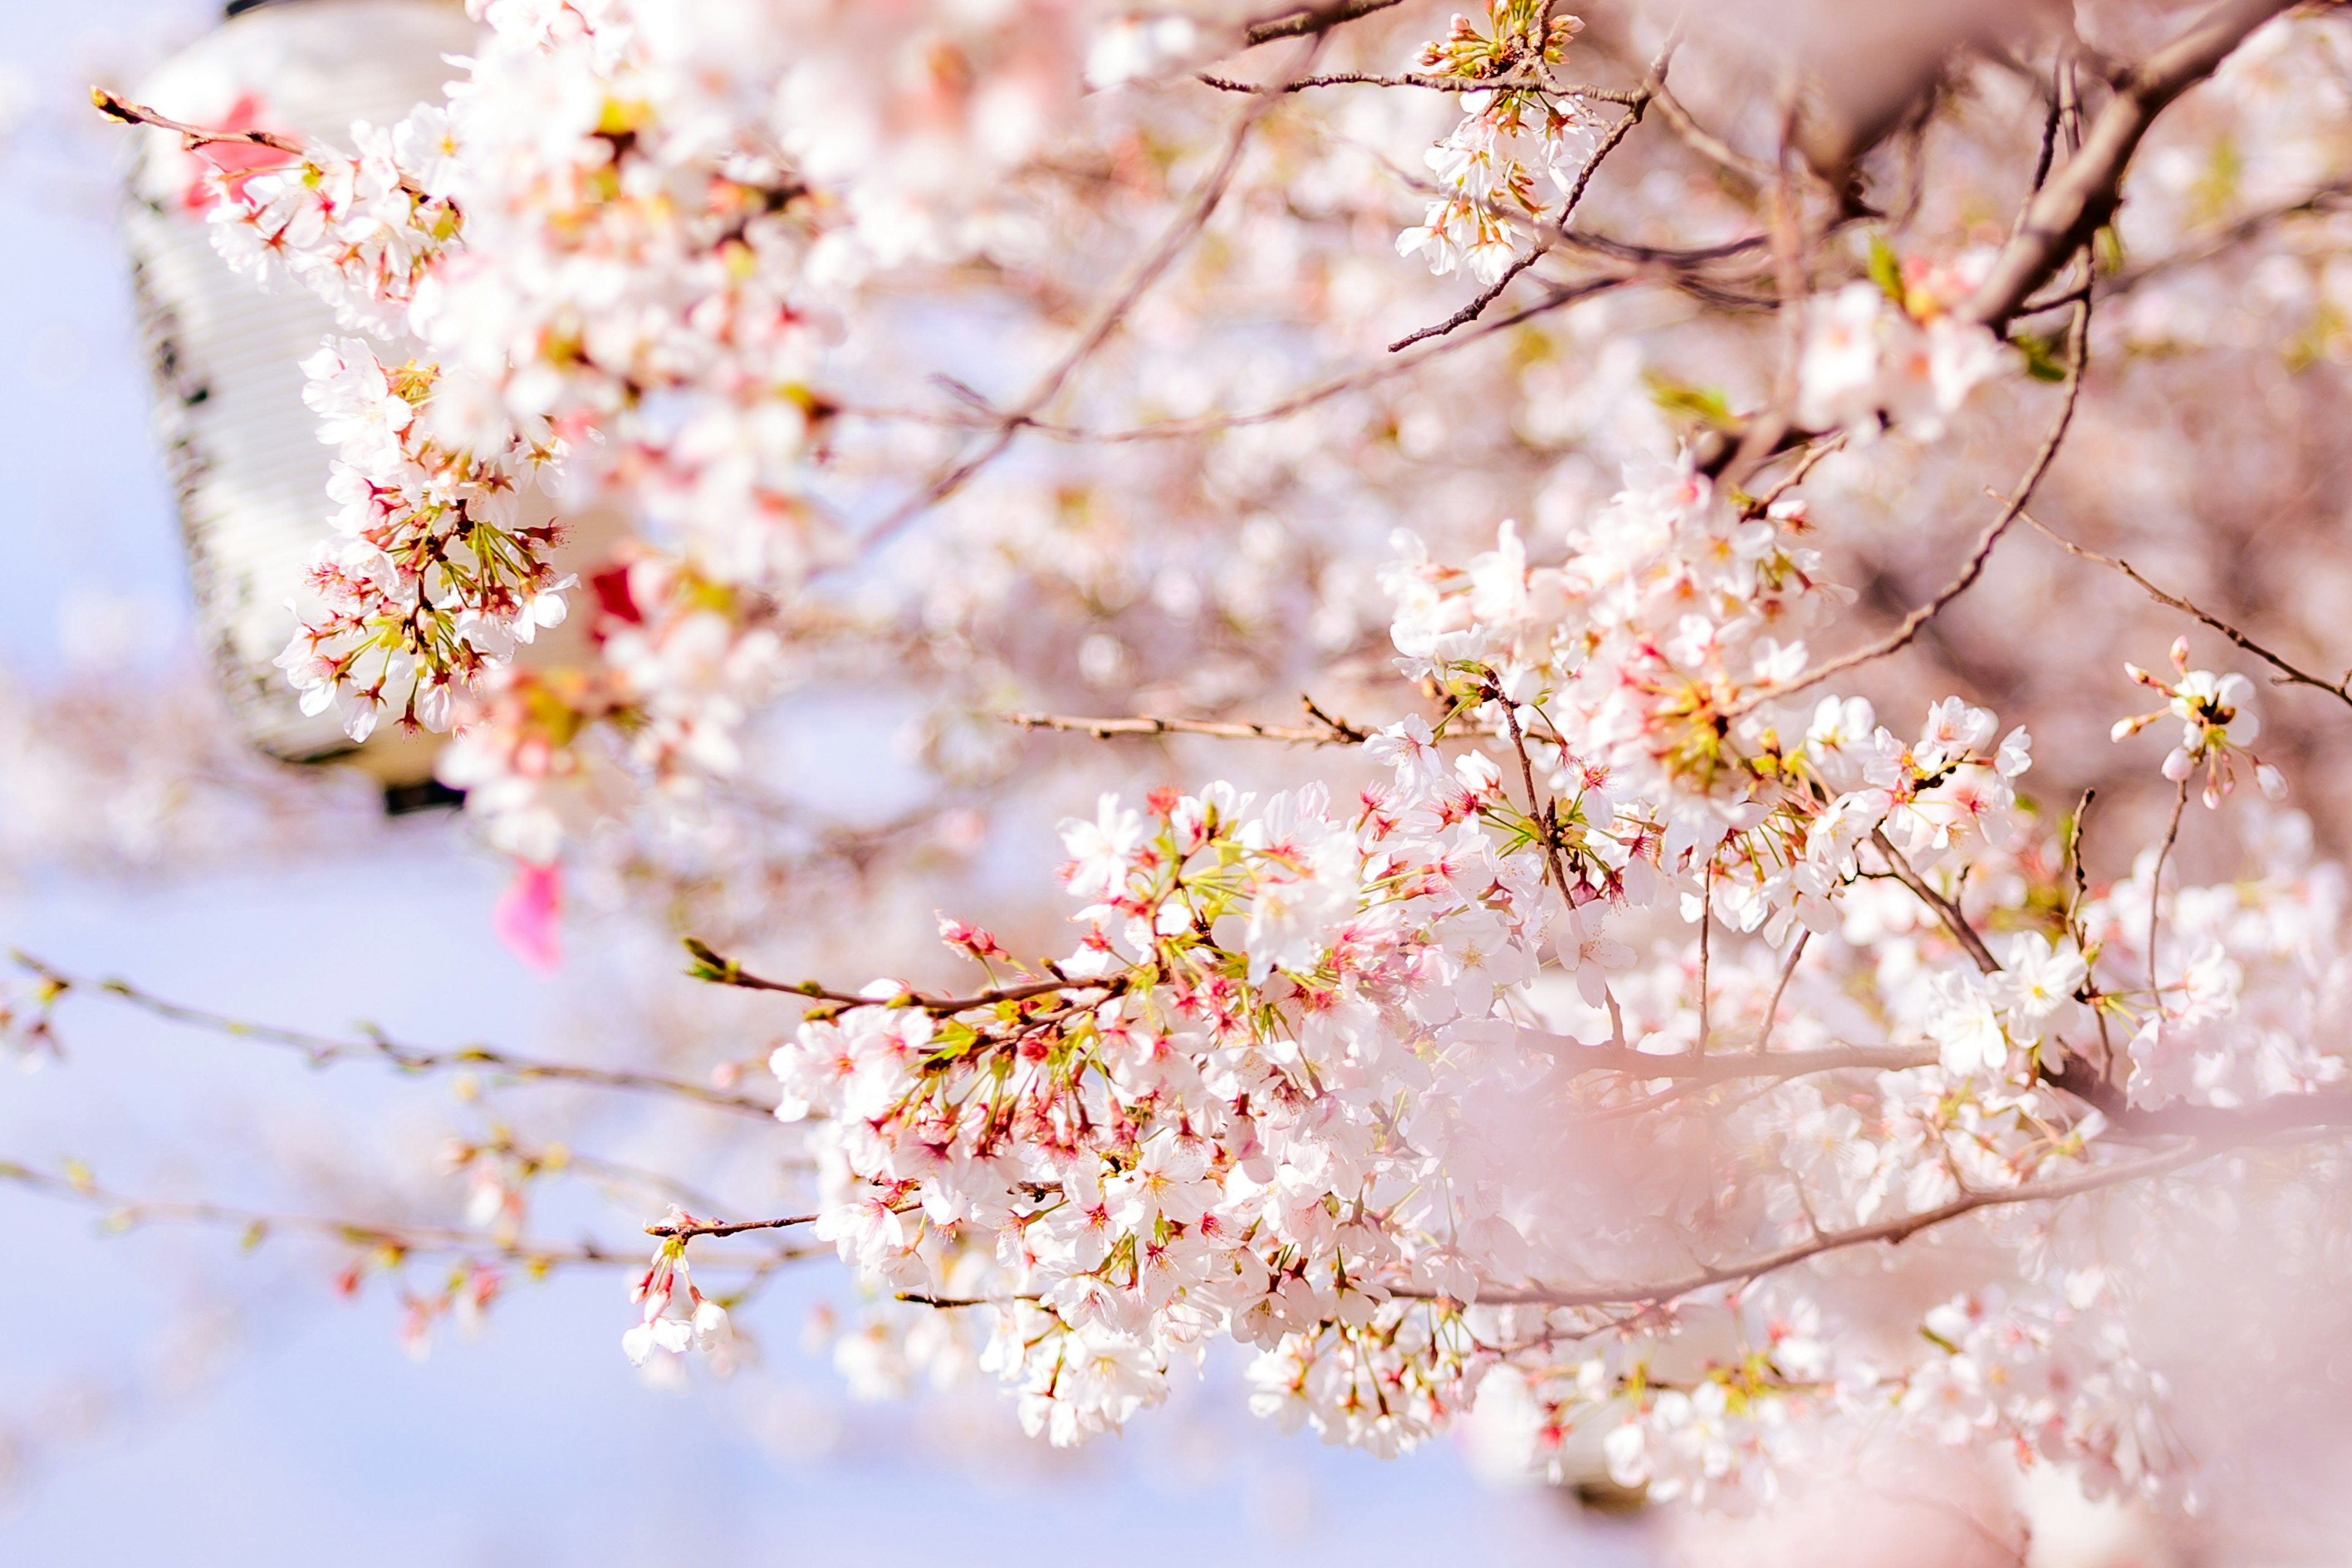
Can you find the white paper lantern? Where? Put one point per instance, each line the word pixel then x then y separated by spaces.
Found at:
pixel 245 459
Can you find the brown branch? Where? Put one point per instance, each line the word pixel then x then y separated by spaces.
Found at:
pixel 2156 887
pixel 1355 735
pixel 1321 392
pixel 2081 873
pixel 1788 973
pixel 2082 196
pixel 321 1051
pixel 1309 19
pixel 1536 817
pixel 689 1229
pixel 1891 1232
pixel 1577 1059
pixel 1707 145
pixel 420 1240
pixel 2323 198
pixel 190 136
pixel 1705 933
pixel 1810 459
pixel 1476 308
pixel 1105 729
pixel 1350 381
pixel 1433 83
pixel 1944 908
pixel 718 971
pixel 1635 102
pixel 2288 673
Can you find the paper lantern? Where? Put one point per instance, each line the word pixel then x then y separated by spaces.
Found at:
pixel 243 451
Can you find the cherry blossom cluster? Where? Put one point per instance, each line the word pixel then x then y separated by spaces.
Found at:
pixel 545 757
pixel 1571 1046
pixel 362 230
pixel 699 1322
pixel 1239 1123
pixel 1895 348
pixel 1243 1104
pixel 1514 139
pixel 438 576
pixel 2218 725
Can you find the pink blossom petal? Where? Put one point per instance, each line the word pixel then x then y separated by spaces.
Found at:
pixel 527 917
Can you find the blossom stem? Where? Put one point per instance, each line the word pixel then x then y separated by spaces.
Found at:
pixel 2155 886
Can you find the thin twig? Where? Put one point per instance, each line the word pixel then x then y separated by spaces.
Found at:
pixel 321 1049
pixel 1944 908
pixel 1350 381
pixel 687 1230
pixel 2156 888
pixel 1788 971
pixel 1172 242
pixel 1476 308
pixel 2289 674
pixel 1311 19
pixel 1706 926
pixel 1707 145
pixel 2075 826
pixel 190 136
pixel 1105 729
pixel 1353 734
pixel 420 1240
pixel 718 971
pixel 1635 102
pixel 1888 1231
pixel 1810 459
pixel 2011 508
pixel 1577 1059
pixel 1553 868
pixel 1433 83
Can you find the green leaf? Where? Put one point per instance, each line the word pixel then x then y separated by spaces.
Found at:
pixel 2040 352
pixel 1886 270
pixel 1698 404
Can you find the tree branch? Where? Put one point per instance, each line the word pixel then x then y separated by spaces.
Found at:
pixel 1889 1231
pixel 1307 19
pixel 2082 196
pixel 414 1240
pixel 190 136
pixel 1433 83
pixel 718 971
pixel 688 1230
pixel 2288 673
pixel 1635 102
pixel 1172 242
pixel 1331 732
pixel 321 1050
pixel 1943 908
pixel 1578 1059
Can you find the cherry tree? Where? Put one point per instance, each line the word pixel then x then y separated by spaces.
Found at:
pixel 1645 994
